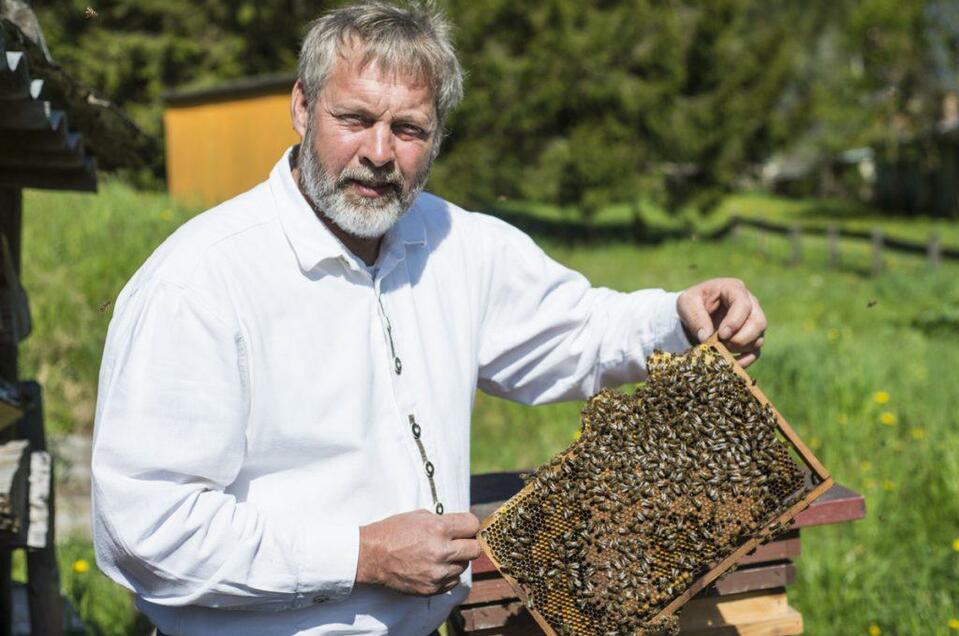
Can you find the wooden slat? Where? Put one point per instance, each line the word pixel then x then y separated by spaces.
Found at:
pixel 786 547
pixel 55 137
pixel 789 624
pixel 51 179
pixel 757 577
pixel 26 114
pixel 737 609
pixel 500 617
pixel 46 607
pixel 44 160
pixel 838 505
pixel 14 473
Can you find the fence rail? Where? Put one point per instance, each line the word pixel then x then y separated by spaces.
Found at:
pixel 932 249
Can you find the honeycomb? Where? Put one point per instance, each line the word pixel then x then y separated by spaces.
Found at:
pixel 660 487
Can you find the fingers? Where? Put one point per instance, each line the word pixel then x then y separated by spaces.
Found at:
pixel 449 583
pixel 465 550
pixel 748 358
pixel 739 305
pixel 461 525
pixel 694 314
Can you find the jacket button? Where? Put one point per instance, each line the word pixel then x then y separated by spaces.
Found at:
pixel 398 365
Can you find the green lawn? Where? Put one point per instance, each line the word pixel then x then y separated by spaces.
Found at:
pixel 839 343
pixel 809 212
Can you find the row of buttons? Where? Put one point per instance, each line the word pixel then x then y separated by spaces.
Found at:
pixel 427 464
pixel 417 431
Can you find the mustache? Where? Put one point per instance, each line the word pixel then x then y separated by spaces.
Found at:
pixel 371 177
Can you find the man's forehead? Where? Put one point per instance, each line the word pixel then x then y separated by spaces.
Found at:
pixel 358 61
pixel 356 82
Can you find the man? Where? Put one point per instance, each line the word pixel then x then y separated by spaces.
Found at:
pixel 282 435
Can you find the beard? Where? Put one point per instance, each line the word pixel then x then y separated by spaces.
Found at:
pixel 361 216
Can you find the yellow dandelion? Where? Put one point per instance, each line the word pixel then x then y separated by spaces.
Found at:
pixel 832 335
pixel 865 467
pixel 955 545
pixel 166 215
pixel 917 433
pixel 954 624
pixel 577 434
pixel 815 443
pixel 881 397
pixel 81 565
pixel 870 484
pixel 874 630
pixel 888 485
pixel 842 418
pixel 888 418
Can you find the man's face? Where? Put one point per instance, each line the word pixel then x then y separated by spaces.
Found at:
pixel 367 147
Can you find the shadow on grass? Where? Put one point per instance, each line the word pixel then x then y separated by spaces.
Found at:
pixel 580 233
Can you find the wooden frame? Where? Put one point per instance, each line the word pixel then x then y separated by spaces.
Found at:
pixel 805 454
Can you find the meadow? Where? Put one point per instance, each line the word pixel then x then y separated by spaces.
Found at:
pixel 865 368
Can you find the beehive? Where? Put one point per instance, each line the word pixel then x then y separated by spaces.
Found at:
pixel 663 492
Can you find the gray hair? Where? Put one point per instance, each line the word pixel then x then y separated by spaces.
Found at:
pixel 413 39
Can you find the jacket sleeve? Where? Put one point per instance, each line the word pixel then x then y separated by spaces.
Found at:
pixel 170 438
pixel 547 335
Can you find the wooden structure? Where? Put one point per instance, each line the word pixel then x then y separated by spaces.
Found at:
pixel 38 149
pixel 750 600
pixel 222 141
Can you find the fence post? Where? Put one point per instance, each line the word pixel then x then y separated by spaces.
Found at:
pixel 934 250
pixel 876 251
pixel 735 230
pixel 795 237
pixel 832 235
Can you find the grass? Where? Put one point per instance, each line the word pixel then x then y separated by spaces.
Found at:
pixel 810 211
pixel 838 344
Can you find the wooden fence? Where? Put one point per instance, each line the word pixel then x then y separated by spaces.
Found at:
pixel 933 249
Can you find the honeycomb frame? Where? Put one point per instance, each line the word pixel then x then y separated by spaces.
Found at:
pixel 818 482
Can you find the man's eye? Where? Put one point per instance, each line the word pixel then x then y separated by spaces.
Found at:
pixel 410 130
pixel 355 120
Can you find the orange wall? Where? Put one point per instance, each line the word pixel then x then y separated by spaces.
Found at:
pixel 218 150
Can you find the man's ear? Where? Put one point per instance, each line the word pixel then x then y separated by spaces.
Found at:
pixel 299 110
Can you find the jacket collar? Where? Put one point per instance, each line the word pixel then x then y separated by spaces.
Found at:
pixel 312 241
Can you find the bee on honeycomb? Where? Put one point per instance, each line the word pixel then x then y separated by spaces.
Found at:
pixel 660 487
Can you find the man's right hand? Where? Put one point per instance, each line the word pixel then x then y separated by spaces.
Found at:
pixel 418 552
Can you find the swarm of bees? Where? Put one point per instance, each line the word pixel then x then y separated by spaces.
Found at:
pixel 660 487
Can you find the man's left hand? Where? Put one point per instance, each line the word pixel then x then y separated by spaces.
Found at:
pixel 726 306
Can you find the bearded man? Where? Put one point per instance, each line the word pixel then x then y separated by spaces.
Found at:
pixel 282 432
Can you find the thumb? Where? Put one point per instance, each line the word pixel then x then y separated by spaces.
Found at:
pixel 692 311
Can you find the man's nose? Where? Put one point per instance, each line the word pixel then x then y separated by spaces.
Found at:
pixel 377 146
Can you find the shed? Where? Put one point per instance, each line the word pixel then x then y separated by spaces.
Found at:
pixel 224 140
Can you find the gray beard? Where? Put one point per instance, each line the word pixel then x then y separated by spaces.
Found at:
pixel 357 215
